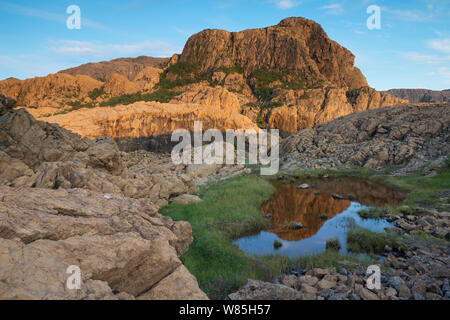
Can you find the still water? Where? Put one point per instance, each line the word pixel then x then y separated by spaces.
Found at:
pixel 322 215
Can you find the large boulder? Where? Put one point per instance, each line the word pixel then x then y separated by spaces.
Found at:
pixel 123 247
pixel 409 135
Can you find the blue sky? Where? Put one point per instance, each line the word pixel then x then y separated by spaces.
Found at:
pixel 411 50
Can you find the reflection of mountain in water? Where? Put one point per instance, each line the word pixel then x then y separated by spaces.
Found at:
pixel 366 192
pixel 305 206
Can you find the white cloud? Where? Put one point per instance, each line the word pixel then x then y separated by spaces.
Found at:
pixel 444 71
pixel 285 4
pixel 442 45
pixel 105 51
pixel 432 59
pixel 335 8
pixel 409 15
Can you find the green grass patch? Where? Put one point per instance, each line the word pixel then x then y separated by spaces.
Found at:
pixel 230 70
pixel 333 244
pixel 418 186
pixel 327 259
pixel 366 241
pixel 77 105
pixel 96 93
pixel 161 95
pixel 228 210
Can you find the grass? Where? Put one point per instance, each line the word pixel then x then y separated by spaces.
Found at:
pixel 323 216
pixel 333 244
pixel 226 213
pixel 366 241
pixel 418 186
pixel 277 244
pixel 328 259
pixel 97 92
pixel 161 95
pixel 77 105
pixel 230 70
pixel 385 212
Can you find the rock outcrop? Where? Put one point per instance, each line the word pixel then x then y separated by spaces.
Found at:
pixel 48 91
pixel 421 95
pixel 148 78
pixel 409 135
pixel 295 46
pixel 69 201
pixel 215 107
pixel 307 108
pixel 117 85
pixel 127 67
pixel 123 247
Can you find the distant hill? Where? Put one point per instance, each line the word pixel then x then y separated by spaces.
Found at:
pixel 128 67
pixel 421 95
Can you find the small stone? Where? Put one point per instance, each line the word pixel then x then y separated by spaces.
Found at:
pixel 304 186
pixel 404 291
pixel 305 288
pixel 354 296
pixel 309 280
pixel 326 284
pixel 391 292
pixel 296 226
pixel 417 296
pixel 320 273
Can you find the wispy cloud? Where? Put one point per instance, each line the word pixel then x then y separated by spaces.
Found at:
pixel 409 15
pixel 441 45
pixel 285 4
pixel 105 51
pixel 444 71
pixel 431 59
pixel 335 9
pixel 45 15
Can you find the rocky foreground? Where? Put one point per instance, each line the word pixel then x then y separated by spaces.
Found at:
pixel 408 136
pixel 67 200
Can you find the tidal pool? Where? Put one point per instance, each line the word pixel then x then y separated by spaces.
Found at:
pixel 309 207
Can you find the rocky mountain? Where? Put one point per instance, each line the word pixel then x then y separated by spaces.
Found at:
pixel 296 47
pixel 127 67
pixel 408 135
pixel 421 95
pixel 290 76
